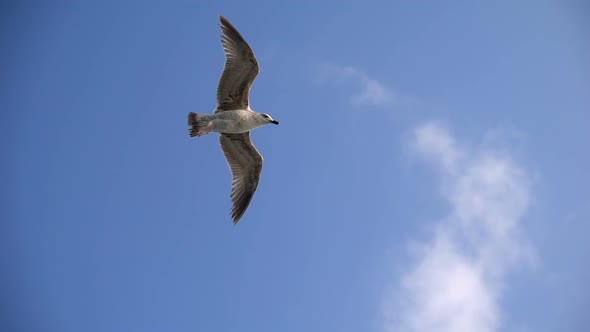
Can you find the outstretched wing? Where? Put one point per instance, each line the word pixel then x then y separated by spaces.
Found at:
pixel 245 163
pixel 239 71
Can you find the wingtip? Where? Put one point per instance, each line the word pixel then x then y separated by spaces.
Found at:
pixel 235 216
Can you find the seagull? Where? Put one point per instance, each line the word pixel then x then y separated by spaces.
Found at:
pixel 234 119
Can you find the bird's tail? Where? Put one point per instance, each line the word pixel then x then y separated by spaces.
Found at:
pixel 198 123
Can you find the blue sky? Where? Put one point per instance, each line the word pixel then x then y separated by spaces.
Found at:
pixel 429 172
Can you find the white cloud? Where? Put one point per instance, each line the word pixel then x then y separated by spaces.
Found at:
pixel 432 141
pixel 457 278
pixel 371 92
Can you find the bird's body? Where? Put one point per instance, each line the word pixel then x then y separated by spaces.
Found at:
pixel 228 122
pixel 234 119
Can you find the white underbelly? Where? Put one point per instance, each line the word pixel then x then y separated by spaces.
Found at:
pixel 235 123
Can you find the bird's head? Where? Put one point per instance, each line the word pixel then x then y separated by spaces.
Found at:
pixel 268 119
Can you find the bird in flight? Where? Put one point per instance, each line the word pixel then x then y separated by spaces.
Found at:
pixel 234 119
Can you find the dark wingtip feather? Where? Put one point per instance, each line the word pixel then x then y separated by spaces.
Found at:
pixel 229 29
pixel 236 216
pixel 241 205
pixel 224 22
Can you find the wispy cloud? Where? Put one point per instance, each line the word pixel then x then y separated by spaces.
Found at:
pixel 370 92
pixel 456 278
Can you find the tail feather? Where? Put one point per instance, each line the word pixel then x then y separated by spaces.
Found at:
pixel 198 124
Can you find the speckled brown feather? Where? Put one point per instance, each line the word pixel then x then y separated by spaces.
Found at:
pixel 245 163
pixel 239 71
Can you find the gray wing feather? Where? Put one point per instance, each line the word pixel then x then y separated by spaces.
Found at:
pixel 245 163
pixel 239 71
